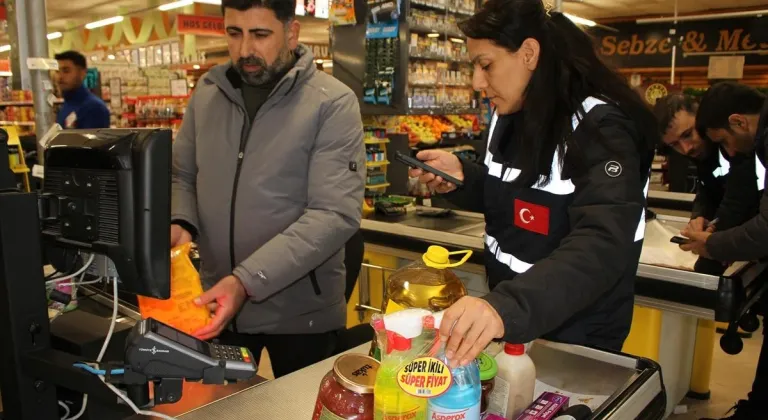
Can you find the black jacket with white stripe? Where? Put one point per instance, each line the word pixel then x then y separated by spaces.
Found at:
pixel 561 258
pixel 727 188
pixel 748 241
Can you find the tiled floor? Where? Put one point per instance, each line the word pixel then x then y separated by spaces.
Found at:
pixel 731 380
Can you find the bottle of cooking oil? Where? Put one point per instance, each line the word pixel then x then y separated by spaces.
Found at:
pixel 426 284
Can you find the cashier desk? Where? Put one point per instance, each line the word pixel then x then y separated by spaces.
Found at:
pixel 675 307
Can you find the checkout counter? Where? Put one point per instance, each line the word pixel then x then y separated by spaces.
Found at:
pixel 674 305
pixel 615 386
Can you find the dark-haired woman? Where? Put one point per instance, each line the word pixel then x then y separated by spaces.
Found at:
pixel 563 185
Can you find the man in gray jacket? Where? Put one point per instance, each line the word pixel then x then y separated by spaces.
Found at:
pixel 268 179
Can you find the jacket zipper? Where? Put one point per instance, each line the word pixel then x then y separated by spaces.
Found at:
pixel 240 155
pixel 315 284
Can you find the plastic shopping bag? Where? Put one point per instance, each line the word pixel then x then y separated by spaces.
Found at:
pixel 180 310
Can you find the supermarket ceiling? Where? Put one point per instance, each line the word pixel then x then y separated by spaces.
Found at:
pixel 63 13
pixel 70 13
pixel 603 9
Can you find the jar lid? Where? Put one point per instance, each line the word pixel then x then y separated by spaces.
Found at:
pixel 356 372
pixel 488 367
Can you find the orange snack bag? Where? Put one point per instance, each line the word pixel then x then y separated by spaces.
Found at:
pixel 180 310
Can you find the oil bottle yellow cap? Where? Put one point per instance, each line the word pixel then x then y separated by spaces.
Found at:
pixel 439 257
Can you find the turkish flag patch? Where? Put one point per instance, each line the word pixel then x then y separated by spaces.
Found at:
pixel 532 217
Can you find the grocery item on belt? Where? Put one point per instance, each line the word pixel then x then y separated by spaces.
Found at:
pixel 426 284
pixel 401 380
pixel 488 370
pixel 180 310
pixel 414 381
pixel 462 400
pixel 346 391
pixel 545 407
pixel 575 412
pixel 518 375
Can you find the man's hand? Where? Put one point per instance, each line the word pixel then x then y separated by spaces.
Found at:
pixel 700 224
pixel 698 243
pixel 179 236
pixel 468 326
pixel 441 160
pixel 228 296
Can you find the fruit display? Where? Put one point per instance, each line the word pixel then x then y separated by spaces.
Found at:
pixel 426 129
pixel 464 123
pixel 423 128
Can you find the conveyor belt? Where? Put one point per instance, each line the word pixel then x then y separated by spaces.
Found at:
pixel 707 296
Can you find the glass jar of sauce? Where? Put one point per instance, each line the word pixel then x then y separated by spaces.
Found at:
pixel 346 392
pixel 488 370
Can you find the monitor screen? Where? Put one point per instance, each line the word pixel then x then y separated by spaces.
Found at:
pixel 108 192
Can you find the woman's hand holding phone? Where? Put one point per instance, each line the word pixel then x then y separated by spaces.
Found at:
pixel 443 161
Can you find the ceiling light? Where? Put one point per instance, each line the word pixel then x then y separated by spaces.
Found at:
pixel 111 56
pixel 196 67
pixel 216 2
pixel 104 22
pixel 579 20
pixel 457 40
pixel 55 35
pixel 319 61
pixel 433 35
pixel 5 48
pixel 176 5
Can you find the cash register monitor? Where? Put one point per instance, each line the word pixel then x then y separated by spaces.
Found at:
pixel 108 192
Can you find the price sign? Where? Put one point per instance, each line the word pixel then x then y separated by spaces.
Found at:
pixel 425 377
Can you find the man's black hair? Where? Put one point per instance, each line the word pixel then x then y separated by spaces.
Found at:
pixel 725 99
pixel 285 10
pixel 75 57
pixel 667 107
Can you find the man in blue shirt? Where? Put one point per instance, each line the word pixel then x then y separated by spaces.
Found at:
pixel 81 109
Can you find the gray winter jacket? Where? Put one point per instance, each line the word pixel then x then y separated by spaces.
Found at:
pixel 274 200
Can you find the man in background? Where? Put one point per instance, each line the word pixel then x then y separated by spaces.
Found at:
pixel 736 117
pixel 726 188
pixel 268 179
pixel 81 109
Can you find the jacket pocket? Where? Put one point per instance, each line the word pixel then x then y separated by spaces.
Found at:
pixel 315 284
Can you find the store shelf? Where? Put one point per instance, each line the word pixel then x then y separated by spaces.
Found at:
pixel 437 58
pixel 18 123
pixel 426 6
pixel 442 111
pixel 377 186
pixel 17 103
pixel 376 164
pixel 420 29
pixel 376 141
pixel 27 103
pixel 440 84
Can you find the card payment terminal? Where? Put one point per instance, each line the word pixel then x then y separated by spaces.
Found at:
pixel 157 351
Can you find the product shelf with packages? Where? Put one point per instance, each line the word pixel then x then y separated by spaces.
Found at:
pixel 439 70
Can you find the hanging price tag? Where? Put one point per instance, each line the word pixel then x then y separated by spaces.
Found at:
pixel 424 377
pixel 39 63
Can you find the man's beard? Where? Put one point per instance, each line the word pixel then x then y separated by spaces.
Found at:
pixel 265 74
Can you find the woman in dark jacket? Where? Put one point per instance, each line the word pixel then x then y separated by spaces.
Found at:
pixel 563 186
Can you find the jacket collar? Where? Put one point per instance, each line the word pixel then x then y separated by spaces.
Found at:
pixel 77 95
pixel 762 125
pixel 226 77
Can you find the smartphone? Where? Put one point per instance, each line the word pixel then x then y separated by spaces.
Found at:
pixel 680 240
pixel 415 163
